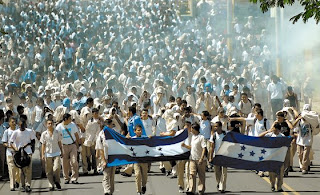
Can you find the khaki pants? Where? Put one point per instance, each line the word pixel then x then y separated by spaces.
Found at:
pixel 279 177
pixel 88 153
pixel 187 173
pixel 221 177
pixel 293 150
pixel 2 159
pixel 69 158
pixel 165 164
pixel 304 160
pixel 128 170
pixel 141 172
pixel 53 170
pixel 195 168
pixel 108 180
pixel 26 174
pixel 287 160
pixel 180 172
pixel 14 174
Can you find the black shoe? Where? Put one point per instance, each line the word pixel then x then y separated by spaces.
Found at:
pixel 291 169
pixel 86 174
pixel 22 189
pixel 163 170
pixel 222 191
pixel 74 182
pixel 280 190
pixel 67 182
pixel 58 185
pixel 43 175
pixel 95 172
pixel 51 189
pixel 173 177
pixel 309 168
pixel 117 171
pixel 273 189
pixel 12 189
pixel 16 185
pixel 125 174
pixel 144 189
pixel 189 193
pixel 168 173
pixel 28 189
pixel 286 174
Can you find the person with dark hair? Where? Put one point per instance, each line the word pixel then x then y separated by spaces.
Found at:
pixel 14 175
pixel 24 138
pixel 70 144
pixel 245 105
pixel 51 151
pixel 275 131
pixel 216 140
pixel 102 154
pixel 132 120
pixel 197 160
pixel 276 93
pixel 88 148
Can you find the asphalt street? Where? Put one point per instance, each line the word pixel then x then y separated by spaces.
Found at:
pixel 238 182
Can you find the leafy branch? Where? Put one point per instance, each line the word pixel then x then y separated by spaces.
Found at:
pixel 311 8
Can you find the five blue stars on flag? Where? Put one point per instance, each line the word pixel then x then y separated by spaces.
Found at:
pixel 252 153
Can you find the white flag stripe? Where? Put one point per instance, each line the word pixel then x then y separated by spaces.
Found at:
pixel 116 148
pixel 252 153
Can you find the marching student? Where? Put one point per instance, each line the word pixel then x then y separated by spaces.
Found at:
pixel 140 169
pixel 24 139
pixel 51 151
pixel 12 168
pixel 216 140
pixel 102 153
pixel 197 161
pixel 275 131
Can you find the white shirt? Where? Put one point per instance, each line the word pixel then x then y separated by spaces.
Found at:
pixel 271 134
pixel 148 126
pixel 38 116
pixel 22 138
pixel 257 126
pixel 205 128
pixel 101 144
pixel 52 143
pixel 92 130
pixel 5 139
pixel 276 90
pixel 217 141
pixel 304 131
pixel 197 145
pixel 72 128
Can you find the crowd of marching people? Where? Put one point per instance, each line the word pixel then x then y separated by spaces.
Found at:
pixel 69 69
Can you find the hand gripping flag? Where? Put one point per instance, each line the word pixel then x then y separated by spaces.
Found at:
pixel 122 151
pixel 252 153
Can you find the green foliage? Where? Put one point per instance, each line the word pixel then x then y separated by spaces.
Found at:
pixel 311 8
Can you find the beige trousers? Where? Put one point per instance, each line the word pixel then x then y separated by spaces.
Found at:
pixel 69 158
pixel 88 153
pixel 180 172
pixel 14 174
pixel 195 168
pixel 221 177
pixel 141 172
pixel 304 158
pixel 53 170
pixel 279 177
pixel 128 169
pixel 26 174
pixel 293 150
pixel 108 180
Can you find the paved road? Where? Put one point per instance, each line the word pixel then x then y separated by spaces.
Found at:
pixel 238 182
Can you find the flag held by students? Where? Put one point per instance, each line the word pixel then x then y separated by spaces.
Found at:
pixel 252 153
pixel 122 151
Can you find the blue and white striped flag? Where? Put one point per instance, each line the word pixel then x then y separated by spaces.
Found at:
pixel 122 151
pixel 252 153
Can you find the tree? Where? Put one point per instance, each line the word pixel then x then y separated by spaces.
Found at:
pixel 311 8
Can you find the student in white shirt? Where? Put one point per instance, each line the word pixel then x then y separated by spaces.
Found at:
pixel 275 132
pixel 148 123
pixel 197 161
pixel 216 140
pixel 12 168
pixel 51 151
pixel 21 138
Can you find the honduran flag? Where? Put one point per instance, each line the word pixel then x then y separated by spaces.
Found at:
pixel 252 153
pixel 122 150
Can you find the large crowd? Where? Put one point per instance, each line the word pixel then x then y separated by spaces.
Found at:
pixel 70 68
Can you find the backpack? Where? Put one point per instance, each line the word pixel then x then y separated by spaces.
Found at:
pixel 214 135
pixel 264 122
pixel 21 158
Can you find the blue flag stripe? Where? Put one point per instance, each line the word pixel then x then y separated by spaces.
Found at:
pixel 266 142
pixel 117 160
pixel 273 166
pixel 151 142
